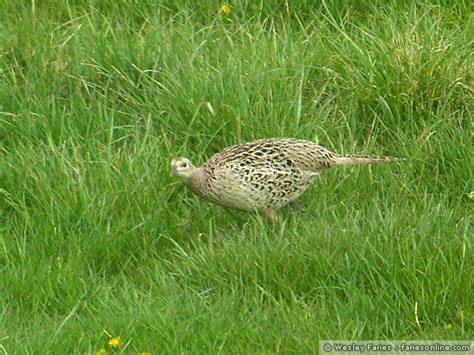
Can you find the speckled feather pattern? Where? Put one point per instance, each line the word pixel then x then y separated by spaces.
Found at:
pixel 267 174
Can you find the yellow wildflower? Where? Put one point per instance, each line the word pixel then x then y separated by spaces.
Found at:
pixel 461 314
pixel 144 353
pixel 225 9
pixel 114 342
pixel 101 352
pixel 449 326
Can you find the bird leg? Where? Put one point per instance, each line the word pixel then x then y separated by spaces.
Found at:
pixel 296 206
pixel 268 214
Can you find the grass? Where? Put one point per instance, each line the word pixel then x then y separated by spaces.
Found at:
pixel 98 241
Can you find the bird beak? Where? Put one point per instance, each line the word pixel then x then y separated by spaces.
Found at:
pixel 173 167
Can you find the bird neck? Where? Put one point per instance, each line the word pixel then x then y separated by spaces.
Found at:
pixel 196 180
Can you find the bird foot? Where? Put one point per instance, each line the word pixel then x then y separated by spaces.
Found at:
pixel 268 214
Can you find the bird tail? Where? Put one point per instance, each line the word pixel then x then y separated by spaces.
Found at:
pixel 362 159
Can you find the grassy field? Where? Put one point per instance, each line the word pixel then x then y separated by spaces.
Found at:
pixel 98 242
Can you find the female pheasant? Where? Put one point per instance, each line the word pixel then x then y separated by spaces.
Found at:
pixel 262 175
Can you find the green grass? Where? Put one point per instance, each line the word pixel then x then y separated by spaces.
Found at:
pixel 97 240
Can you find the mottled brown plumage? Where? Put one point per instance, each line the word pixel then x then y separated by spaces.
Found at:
pixel 262 175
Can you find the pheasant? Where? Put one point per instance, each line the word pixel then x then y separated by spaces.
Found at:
pixel 262 175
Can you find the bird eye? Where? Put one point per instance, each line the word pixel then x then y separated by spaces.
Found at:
pixel 184 165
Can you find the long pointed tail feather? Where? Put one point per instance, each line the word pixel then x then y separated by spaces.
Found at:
pixel 363 159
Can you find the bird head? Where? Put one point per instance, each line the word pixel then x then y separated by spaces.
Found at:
pixel 182 168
